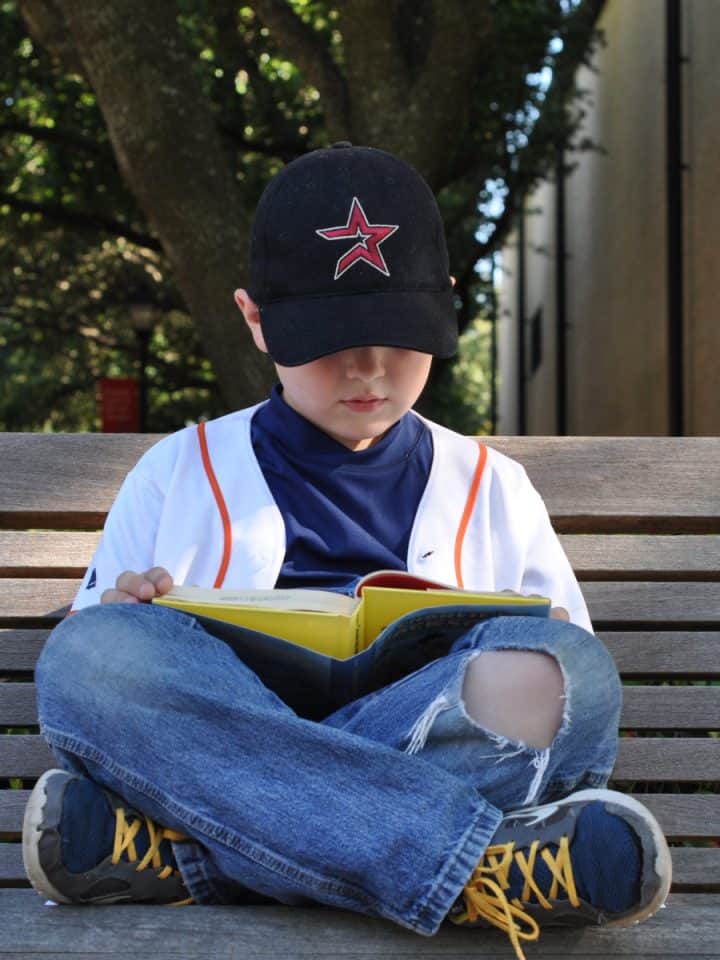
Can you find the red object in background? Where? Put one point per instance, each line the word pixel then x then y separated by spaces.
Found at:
pixel 119 399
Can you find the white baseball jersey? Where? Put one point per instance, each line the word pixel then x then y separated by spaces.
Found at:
pixel 198 505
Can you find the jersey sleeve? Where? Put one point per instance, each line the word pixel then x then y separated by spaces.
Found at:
pixel 128 538
pixel 547 570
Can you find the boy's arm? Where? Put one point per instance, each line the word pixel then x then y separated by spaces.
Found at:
pixel 127 545
pixel 547 568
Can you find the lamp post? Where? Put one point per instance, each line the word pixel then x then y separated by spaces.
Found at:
pixel 142 320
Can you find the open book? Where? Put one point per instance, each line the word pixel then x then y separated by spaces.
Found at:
pixel 318 649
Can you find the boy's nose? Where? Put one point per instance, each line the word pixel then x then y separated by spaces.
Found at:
pixel 366 362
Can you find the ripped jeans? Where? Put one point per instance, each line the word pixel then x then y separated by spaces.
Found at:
pixel 384 807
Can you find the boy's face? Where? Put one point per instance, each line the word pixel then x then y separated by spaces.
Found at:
pixel 354 395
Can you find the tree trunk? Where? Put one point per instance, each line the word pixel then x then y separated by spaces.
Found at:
pixel 409 66
pixel 166 143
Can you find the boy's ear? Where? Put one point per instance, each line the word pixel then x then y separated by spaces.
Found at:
pixel 250 311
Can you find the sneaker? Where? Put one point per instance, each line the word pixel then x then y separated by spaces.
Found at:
pixel 81 845
pixel 595 857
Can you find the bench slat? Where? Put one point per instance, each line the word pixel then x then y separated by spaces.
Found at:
pixel 12 810
pixel 637 654
pixel 630 482
pixel 671 707
pixel 661 602
pixel 76 476
pixel 644 708
pixel 17 705
pixel 26 553
pixel 641 759
pixel 19 649
pixel 643 557
pixel 24 755
pixel 665 653
pixel 36 599
pixel 675 760
pixel 620 602
pixel 688 923
pixel 44 553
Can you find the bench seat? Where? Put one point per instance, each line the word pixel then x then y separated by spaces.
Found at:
pixel 640 521
pixel 686 929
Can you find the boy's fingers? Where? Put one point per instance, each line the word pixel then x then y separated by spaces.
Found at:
pixel 160 579
pixel 131 587
pixel 117 596
pixel 559 613
pixel 135 584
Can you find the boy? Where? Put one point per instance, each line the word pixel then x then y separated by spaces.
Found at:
pixel 186 779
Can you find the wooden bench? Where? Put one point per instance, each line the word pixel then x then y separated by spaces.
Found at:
pixel 640 520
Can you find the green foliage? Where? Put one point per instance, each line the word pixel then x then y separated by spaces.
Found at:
pixel 463 397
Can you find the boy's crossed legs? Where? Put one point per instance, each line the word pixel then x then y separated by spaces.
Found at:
pixel 391 806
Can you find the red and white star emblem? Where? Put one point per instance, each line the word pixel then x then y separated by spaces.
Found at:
pixel 369 236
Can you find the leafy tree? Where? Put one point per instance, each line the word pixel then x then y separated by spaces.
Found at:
pixel 137 138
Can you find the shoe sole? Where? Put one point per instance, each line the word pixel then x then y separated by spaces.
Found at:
pixel 32 826
pixel 663 860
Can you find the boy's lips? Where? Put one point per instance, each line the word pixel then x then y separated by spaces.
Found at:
pixel 364 403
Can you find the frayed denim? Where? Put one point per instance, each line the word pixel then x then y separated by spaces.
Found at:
pixel 384 807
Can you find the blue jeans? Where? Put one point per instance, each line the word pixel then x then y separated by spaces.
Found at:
pixel 384 807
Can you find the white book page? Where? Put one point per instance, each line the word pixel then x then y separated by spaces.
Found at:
pixel 321 601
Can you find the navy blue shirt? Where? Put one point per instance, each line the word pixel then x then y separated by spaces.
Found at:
pixel 346 513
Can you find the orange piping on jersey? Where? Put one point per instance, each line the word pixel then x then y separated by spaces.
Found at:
pixel 220 501
pixel 467 512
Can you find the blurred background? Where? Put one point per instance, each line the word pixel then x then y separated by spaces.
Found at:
pixel 573 146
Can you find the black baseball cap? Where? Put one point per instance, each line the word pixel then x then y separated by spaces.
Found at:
pixel 348 250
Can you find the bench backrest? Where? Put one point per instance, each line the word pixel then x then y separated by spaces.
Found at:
pixel 640 520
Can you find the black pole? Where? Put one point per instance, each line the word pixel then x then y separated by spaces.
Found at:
pixel 521 399
pixel 493 348
pixel 560 297
pixel 143 338
pixel 673 42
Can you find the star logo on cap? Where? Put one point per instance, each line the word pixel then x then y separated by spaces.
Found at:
pixel 369 236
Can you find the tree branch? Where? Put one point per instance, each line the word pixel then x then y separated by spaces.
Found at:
pixel 79 218
pixel 305 47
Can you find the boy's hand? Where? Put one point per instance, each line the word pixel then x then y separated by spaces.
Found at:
pixel 131 587
pixel 556 613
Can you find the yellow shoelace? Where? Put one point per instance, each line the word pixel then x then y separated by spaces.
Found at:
pixel 125 834
pixel 485 895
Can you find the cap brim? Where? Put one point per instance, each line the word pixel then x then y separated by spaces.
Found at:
pixel 299 331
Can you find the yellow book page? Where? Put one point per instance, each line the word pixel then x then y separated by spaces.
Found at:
pixel 382 605
pixel 335 635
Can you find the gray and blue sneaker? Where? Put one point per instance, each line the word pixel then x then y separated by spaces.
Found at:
pixel 82 845
pixel 594 857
